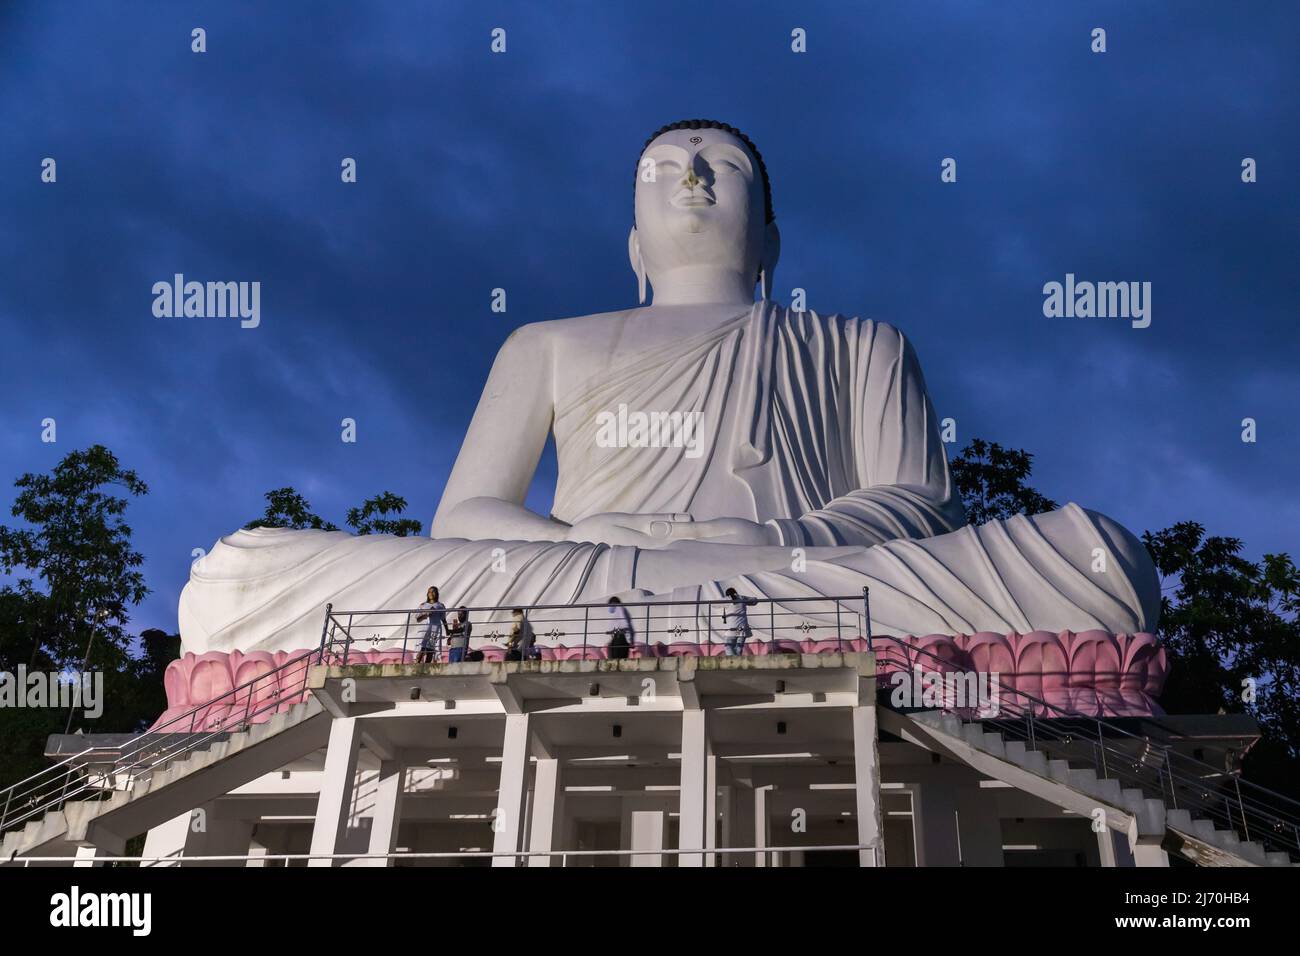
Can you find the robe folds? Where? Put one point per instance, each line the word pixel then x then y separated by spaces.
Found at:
pixel 818 426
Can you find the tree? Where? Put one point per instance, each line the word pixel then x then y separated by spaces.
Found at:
pixel 991 482
pixel 76 545
pixel 79 546
pixel 381 514
pixel 1233 637
pixel 373 516
pixel 285 508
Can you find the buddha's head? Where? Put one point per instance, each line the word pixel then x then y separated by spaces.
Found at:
pixel 703 210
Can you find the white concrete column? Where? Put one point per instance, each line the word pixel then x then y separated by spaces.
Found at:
pixel 866 769
pixel 711 808
pixel 387 817
pixel 693 806
pixel 256 854
pixel 1149 854
pixel 762 827
pixel 333 807
pixel 168 839
pixel 547 800
pixel 647 833
pixel 86 856
pixel 512 790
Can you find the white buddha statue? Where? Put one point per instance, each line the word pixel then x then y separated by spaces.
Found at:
pixel 814 467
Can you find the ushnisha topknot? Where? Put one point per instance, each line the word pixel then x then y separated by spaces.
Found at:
pixel 726 128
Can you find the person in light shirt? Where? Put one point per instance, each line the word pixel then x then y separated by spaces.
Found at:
pixel 619 629
pixel 435 612
pixel 738 615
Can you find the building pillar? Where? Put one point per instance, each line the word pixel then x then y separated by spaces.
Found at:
pixel 934 811
pixel 168 840
pixel 711 809
pixel 727 823
pixel 1149 854
pixel 1112 848
pixel 547 801
pixel 979 829
pixel 512 791
pixel 337 782
pixel 866 777
pixel 256 852
pixel 647 833
pixel 762 826
pixel 692 809
pixel 387 817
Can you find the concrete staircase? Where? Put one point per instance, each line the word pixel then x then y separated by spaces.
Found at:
pixel 178 785
pixel 1147 820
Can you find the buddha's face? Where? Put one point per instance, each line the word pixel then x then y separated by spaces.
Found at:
pixel 699 201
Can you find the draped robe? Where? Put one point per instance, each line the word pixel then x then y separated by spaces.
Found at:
pixel 818 426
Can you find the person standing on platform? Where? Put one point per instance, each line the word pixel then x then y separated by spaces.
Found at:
pixel 458 637
pixel 738 615
pixel 619 629
pixel 521 638
pixel 435 612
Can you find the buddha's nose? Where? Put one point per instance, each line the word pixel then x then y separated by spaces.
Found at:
pixel 690 179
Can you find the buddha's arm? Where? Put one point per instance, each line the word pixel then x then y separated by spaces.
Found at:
pixel 905 489
pixel 484 497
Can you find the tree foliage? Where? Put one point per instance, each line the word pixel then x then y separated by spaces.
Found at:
pixel 77 577
pixel 991 482
pixel 1231 630
pixel 77 571
pixel 286 508
pixel 379 515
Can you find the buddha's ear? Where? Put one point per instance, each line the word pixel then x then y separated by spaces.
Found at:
pixel 767 265
pixel 638 264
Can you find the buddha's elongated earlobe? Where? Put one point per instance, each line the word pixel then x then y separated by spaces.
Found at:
pixel 638 264
pixel 767 267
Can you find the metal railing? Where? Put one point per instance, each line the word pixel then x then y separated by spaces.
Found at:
pixel 779 625
pixel 80 775
pixel 1134 760
pixel 772 855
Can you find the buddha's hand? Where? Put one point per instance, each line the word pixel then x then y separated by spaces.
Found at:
pixel 621 528
pixel 663 530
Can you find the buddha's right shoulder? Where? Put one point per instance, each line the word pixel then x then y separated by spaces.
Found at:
pixel 535 335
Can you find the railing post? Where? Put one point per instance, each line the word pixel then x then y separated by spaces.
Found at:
pixel 708 625
pixel 406 636
pixel 347 641
pixel 866 617
pixel 839 634
pixel 324 631
pixel 647 621
pixel 1173 792
pixel 586 616
pixel 1242 807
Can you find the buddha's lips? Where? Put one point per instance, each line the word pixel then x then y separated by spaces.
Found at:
pixel 689 200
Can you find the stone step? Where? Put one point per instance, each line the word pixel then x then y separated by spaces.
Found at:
pixel 1035 762
pixel 993 744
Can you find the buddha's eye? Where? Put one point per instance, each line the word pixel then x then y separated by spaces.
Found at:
pixel 668 166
